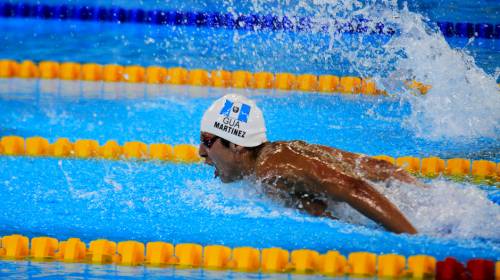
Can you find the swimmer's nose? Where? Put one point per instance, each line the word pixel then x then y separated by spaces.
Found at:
pixel 202 152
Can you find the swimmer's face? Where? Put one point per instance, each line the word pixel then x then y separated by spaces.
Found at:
pixel 223 158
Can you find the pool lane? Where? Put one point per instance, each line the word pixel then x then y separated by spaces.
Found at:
pixel 177 203
pixel 171 114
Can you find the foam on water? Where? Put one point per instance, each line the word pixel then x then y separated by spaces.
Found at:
pixel 241 199
pixel 449 209
pixel 464 101
pixel 446 209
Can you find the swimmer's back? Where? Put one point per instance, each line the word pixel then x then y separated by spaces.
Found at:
pixel 313 160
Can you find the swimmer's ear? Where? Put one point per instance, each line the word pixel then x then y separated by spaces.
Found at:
pixel 236 148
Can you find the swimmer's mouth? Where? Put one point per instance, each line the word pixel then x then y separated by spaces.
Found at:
pixel 216 171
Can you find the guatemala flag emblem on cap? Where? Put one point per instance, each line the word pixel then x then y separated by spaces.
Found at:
pixel 235 110
pixel 229 118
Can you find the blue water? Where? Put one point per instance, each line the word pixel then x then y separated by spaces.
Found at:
pixel 149 201
pixel 173 46
pixel 183 203
pixel 369 125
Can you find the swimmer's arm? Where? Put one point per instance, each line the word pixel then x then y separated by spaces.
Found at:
pixel 334 184
pixel 367 200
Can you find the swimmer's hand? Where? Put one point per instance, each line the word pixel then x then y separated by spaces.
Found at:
pixel 315 207
pixel 329 215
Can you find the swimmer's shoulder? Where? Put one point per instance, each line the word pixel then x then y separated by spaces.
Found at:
pixel 298 154
pixel 275 154
pixel 297 147
pixel 280 148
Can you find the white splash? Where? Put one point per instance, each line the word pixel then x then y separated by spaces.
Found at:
pixel 446 209
pixel 240 198
pixel 464 102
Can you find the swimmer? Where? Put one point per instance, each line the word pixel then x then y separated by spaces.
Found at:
pixel 302 175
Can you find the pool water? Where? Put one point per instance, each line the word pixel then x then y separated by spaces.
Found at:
pixel 145 201
pixel 149 201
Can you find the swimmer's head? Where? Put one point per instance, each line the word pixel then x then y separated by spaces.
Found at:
pixel 237 119
pixel 231 129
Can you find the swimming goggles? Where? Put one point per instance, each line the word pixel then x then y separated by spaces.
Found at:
pixel 209 141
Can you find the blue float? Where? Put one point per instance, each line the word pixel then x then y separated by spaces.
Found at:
pixel 484 30
pixel 201 19
pixel 60 12
pixel 304 24
pixel 156 17
pixel 179 18
pixel 464 29
pixel 270 22
pixel 189 18
pixel 446 28
pixel 286 23
pixel 228 21
pixel 117 15
pixel 195 19
pixel 41 11
pixel 213 20
pixel 99 14
pixel 136 15
pixel 247 22
pixel 379 28
pixel 22 10
pixel 82 13
pixel 6 10
pixel 170 17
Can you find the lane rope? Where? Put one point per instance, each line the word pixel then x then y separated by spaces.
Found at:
pixel 253 22
pixel 239 79
pixel 476 171
pixel 241 259
pixel 469 30
pixel 250 22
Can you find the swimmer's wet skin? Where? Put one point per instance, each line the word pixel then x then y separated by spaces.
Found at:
pixel 305 176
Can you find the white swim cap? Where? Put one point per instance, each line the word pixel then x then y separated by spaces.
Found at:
pixel 237 119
